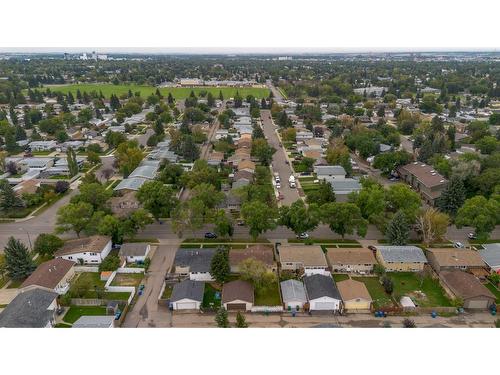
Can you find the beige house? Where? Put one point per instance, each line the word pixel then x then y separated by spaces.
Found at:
pixel 359 260
pixel 310 259
pixel 401 258
pixel 450 259
pixel 355 296
pixel 424 179
pixel 54 275
pixel 468 288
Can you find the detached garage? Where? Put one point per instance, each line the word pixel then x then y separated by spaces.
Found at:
pixel 467 287
pixel 322 294
pixel 238 296
pixel 187 295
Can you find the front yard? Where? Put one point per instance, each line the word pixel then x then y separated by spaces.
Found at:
pixel 75 312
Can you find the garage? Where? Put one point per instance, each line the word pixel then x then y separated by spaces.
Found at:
pixel 477 304
pixel 185 306
pixel 187 295
pixel 237 306
pixel 324 306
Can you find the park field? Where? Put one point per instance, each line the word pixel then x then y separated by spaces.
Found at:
pixel 177 92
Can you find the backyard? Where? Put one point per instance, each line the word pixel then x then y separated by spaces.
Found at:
pixel 75 312
pixel 379 296
pixel 425 291
pixel 211 297
pixel 128 279
pixel 90 285
pixel 494 290
pixel 268 296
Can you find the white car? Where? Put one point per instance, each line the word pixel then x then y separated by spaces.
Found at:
pixel 458 245
pixel 278 186
pixel 303 236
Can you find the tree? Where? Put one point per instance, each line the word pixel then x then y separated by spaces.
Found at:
pixel 262 151
pixel 8 197
pixel 74 216
pixel 452 197
pixel 389 161
pixel 401 197
pixel 72 162
pixel 208 194
pixel 47 244
pixel 112 226
pixel 388 285
pixel 61 187
pixel 93 158
pixel 110 263
pixel 241 321
pixel 219 266
pixel 344 218
pixel 157 198
pixel 93 193
pixel 223 224
pixel 128 156
pixel 432 225
pixel 221 318
pixel 298 217
pixel 256 272
pixel 259 217
pixel 370 200
pixel 398 229
pixel 339 155
pixel 488 145
pixel 18 261
pixel 323 194
pixel 188 216
pixel 480 213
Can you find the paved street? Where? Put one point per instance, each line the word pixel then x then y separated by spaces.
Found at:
pixel 279 159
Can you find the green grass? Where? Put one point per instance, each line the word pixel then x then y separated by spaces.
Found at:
pixel 168 292
pixel 62 325
pixel 340 277
pixel 494 290
pixel 406 283
pixel 138 240
pixel 84 286
pixel 379 296
pixel 209 300
pixel 268 296
pixel 75 312
pixel 223 241
pixel 177 92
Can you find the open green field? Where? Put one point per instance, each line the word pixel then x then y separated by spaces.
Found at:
pixel 177 92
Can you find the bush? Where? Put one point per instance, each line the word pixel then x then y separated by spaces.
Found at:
pixel 61 187
pixel 110 263
pixel 388 285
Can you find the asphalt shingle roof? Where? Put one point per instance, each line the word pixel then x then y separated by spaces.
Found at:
pixel 130 184
pixel 198 260
pixel 188 289
pixel 318 286
pixel 491 254
pixel 402 254
pixel 29 310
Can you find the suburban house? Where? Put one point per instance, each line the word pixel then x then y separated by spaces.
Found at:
pixel 98 321
pixel 304 135
pixel 310 259
pixel 335 172
pixel 355 295
pixel 135 252
pixel 491 256
pixel 336 176
pixel 242 178
pixel 53 275
pixel 88 250
pixel 238 295
pixel 293 294
pixel 359 260
pixel 401 258
pixel 450 259
pixel 124 205
pixel 215 158
pixel 194 263
pixel 424 179
pixel 322 293
pixel 35 308
pixel 246 165
pixel 468 288
pixel 187 295
pixel 233 202
pixel 42 145
pixel 146 171
pixel 130 184
pixel 261 253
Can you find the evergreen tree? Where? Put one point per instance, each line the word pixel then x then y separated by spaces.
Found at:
pixel 219 268
pixel 241 322
pixel 398 229
pixel 158 94
pixel 221 97
pixel 210 100
pixel 170 98
pixel 72 163
pixel 18 260
pixel 8 197
pixel 453 196
pixel 221 318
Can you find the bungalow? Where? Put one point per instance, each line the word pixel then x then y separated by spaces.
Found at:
pixel 355 295
pixel 242 178
pixel 40 164
pixel 359 260
pixel 246 165
pixel 35 308
pixel 187 295
pixel 194 263
pixel 42 145
pixel 450 259
pixel 233 202
pixel 468 288
pixel 303 135
pixel 123 206
pixel 130 184
pixel 342 188
pixel 53 275
pixel 261 253
pixel 491 256
pixel 88 250
pixel 310 259
pixel 145 172
pixel 335 172
pixel 322 293
pixel 99 321
pixel 215 158
pixel 238 295
pixel 401 258
pixel 135 252
pixel 294 294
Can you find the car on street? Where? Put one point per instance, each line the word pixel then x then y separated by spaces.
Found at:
pixel 472 236
pixel 210 235
pixel 303 236
pixel 458 245
pixel 278 185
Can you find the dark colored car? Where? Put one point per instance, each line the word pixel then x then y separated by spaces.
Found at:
pixel 210 235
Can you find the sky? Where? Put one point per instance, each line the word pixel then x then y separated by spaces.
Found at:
pixel 226 26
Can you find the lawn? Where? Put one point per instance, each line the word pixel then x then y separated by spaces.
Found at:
pixel 409 283
pixel 85 285
pixel 128 279
pixel 168 292
pixel 178 92
pixel 269 296
pixel 494 290
pixel 379 296
pixel 209 297
pixel 75 312
pixel 340 277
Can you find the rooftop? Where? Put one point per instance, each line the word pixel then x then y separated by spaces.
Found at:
pixel 98 321
pixel 351 289
pixel 457 257
pixel 198 260
pixel 351 256
pixel 94 244
pixel 307 255
pixel 293 290
pixel 465 285
pixel 237 290
pixel 426 174
pixel 318 286
pixel 49 274
pixel 133 249
pixel 259 252
pixel 491 254
pixel 29 309
pixel 402 254
pixel 188 289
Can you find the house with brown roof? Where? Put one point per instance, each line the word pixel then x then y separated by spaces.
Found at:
pixel 424 179
pixel 123 206
pixel 27 187
pixel 246 165
pixel 309 259
pixel 454 259
pixel 242 178
pixel 238 295
pixel 88 250
pixel 463 285
pixel 359 260
pixel 53 275
pixel 261 253
pixel 215 158
pixel 355 295
pixel 245 143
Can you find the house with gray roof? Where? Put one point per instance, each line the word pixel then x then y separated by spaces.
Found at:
pixel 34 308
pixel 130 184
pixel 491 255
pixel 293 294
pixel 335 172
pixel 187 295
pixel 146 171
pixel 342 188
pixel 401 258
pixel 98 321
pixel 322 293
pixel 194 263
pixel 135 252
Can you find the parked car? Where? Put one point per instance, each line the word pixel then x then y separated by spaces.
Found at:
pixel 210 235
pixel 458 245
pixel 303 236
pixel 278 185
pixel 472 236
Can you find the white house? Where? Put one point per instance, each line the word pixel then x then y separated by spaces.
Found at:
pixel 322 293
pixel 88 250
pixel 135 252
pixel 187 295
